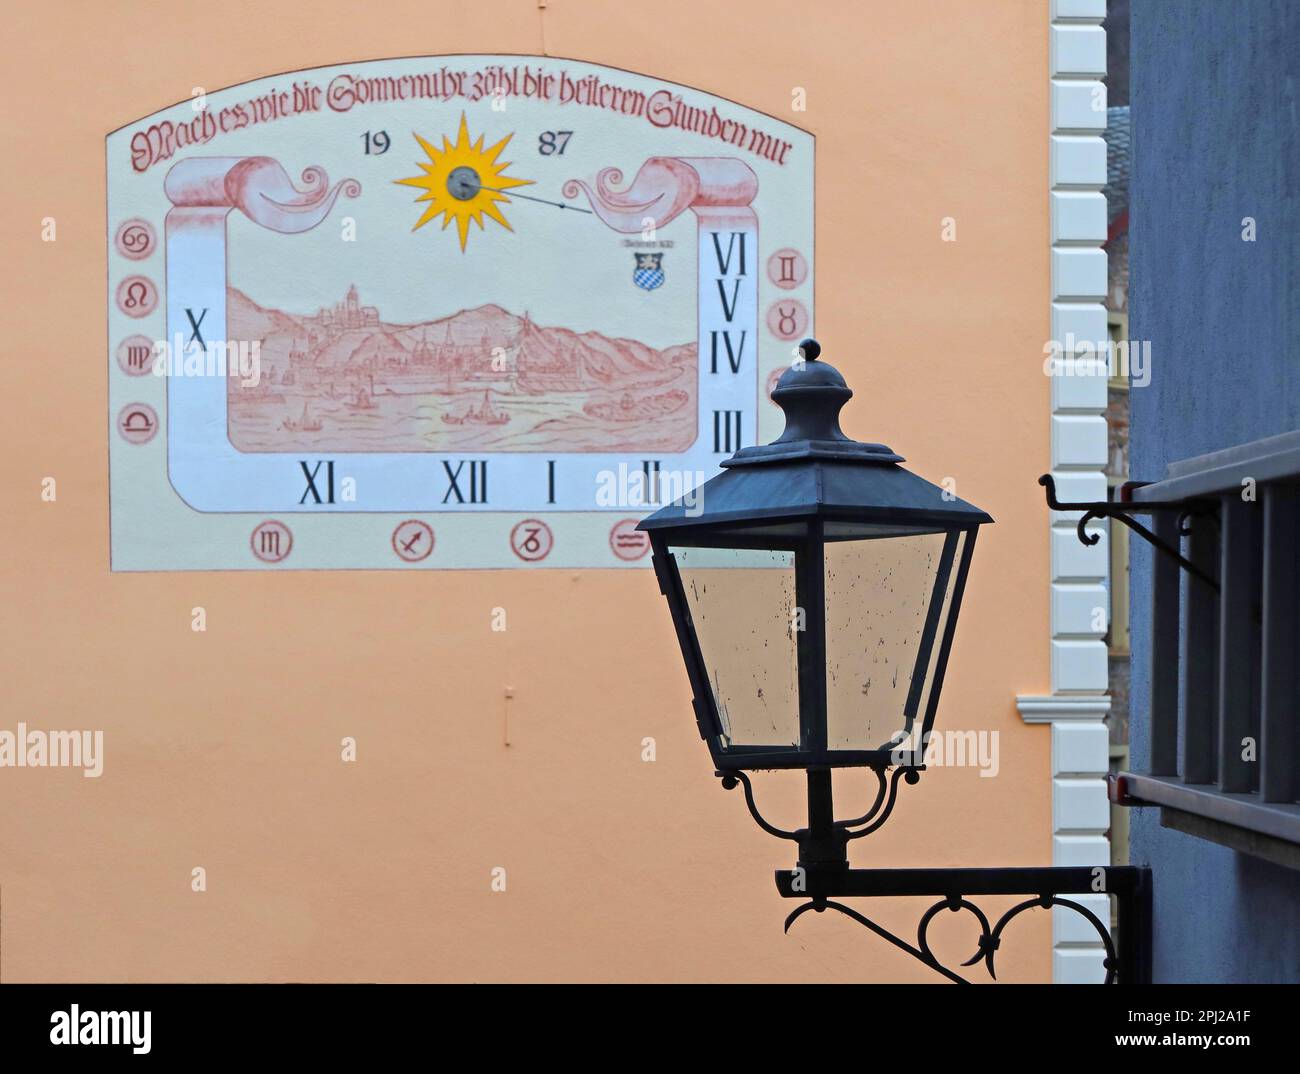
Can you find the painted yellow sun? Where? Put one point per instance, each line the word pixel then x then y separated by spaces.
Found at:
pixel 463 182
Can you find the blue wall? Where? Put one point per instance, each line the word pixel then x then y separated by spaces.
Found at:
pixel 1216 118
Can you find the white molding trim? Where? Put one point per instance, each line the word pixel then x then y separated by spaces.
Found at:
pixel 1062 707
pixel 1078 704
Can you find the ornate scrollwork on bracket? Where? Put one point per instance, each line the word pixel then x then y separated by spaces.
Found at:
pixel 990 939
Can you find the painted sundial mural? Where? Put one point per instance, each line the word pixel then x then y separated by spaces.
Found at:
pixel 459 311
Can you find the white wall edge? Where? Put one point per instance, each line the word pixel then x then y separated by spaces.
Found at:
pixel 1078 704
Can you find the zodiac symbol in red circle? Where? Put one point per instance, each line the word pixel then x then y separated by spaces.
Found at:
pixel 137 296
pixel 271 541
pixel 135 355
pixel 532 540
pixel 627 541
pixel 138 423
pixel 787 318
pixel 136 239
pixel 787 268
pixel 413 540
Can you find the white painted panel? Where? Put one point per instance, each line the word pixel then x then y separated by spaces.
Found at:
pixel 1078 50
pixel 1078 105
pixel 1080 666
pixel 1079 272
pixel 1081 749
pixel 1080 804
pixel 1078 160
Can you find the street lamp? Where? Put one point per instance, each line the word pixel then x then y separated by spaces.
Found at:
pixel 815 586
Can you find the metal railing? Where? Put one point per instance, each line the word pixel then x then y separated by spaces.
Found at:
pixel 1225 661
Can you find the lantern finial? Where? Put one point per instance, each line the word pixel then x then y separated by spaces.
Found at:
pixel 811 394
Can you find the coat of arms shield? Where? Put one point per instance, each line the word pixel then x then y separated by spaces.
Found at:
pixel 649 272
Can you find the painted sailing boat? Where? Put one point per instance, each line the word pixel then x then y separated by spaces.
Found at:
pixel 305 424
pixel 362 400
pixel 484 415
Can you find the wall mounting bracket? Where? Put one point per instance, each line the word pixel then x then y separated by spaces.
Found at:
pixel 1123 510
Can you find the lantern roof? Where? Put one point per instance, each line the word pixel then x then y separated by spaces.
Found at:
pixel 813 470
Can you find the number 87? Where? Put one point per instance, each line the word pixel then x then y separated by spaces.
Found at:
pixel 553 143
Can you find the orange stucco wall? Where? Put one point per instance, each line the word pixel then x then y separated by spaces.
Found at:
pixel 222 748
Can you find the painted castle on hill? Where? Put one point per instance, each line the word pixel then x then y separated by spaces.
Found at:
pixel 481 379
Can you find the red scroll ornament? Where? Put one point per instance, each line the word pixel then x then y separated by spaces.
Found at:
pixel 259 187
pixel 717 188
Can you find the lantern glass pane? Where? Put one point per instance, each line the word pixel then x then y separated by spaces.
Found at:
pixel 742 605
pixel 945 613
pixel 883 634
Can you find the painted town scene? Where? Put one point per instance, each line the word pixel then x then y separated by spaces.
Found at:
pixel 482 379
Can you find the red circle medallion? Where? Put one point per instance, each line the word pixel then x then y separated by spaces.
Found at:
pixel 413 540
pixel 787 268
pixel 135 356
pixel 138 423
pixel 627 541
pixel 787 318
pixel 271 541
pixel 136 239
pixel 532 540
pixel 137 296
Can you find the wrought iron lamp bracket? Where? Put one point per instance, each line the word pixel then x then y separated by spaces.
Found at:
pixel 1126 956
pixel 729 782
pixel 1123 509
pixel 873 818
pixel 822 877
pixel 877 815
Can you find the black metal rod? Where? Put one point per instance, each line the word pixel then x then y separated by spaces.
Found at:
pixel 670 585
pixel 1121 512
pixel 1240 563
pixel 938 598
pixel 1154 541
pixel 1133 919
pixel 1134 506
pixel 1165 601
pixel 1199 668
pixel 821 846
pixel 810 642
pixel 1026 880
pixel 870 814
pixel 1279 776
